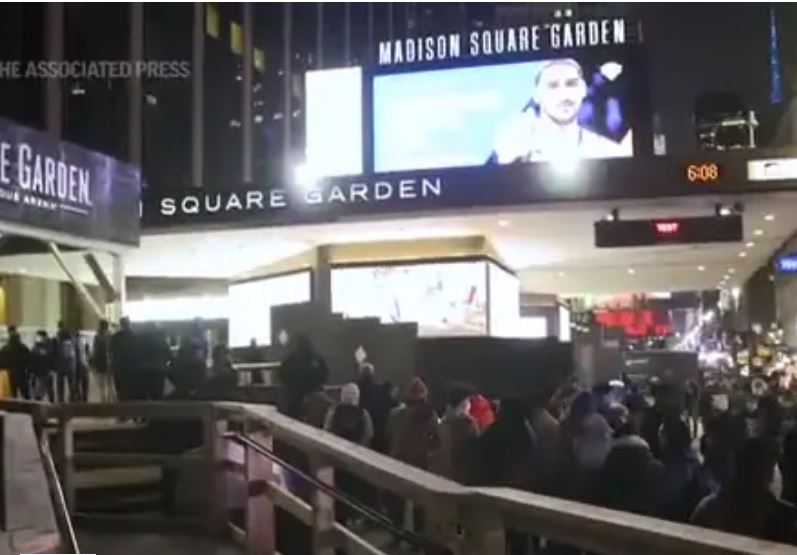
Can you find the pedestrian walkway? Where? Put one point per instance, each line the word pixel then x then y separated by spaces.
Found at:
pixel 103 543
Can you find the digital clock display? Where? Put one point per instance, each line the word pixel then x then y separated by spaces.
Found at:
pixel 704 172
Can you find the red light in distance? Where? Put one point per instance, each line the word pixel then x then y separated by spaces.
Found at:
pixel 667 228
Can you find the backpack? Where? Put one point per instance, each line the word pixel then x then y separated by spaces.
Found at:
pixel 349 423
pixel 66 350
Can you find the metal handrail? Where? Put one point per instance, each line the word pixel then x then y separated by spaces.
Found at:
pixel 368 513
pixel 57 494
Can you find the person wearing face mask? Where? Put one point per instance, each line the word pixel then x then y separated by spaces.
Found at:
pixel 745 504
pixel 457 435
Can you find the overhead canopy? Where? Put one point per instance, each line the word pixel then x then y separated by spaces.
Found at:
pixel 57 191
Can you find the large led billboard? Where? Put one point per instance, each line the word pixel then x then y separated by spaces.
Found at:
pixel 443 298
pixel 334 144
pixel 250 305
pixel 504 302
pixel 501 114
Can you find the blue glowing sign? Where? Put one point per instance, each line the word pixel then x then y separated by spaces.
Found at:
pixel 787 264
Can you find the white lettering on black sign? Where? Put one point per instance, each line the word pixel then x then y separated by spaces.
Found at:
pixel 489 42
pixel 43 181
pixel 277 199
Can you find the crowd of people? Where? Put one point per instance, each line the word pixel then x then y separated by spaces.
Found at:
pixel 54 367
pixel 723 459
pixel 128 364
pixel 644 448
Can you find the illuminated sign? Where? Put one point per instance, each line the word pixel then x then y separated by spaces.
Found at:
pixel 786 264
pixel 773 169
pixel 252 200
pixel 558 35
pixel 641 233
pixel 709 172
pixel 634 323
pixel 666 228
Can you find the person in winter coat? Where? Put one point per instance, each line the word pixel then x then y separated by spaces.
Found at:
pixel 631 479
pixel 412 428
pixel 42 366
pixel 412 435
pixel 101 361
pixel 347 420
pixel 507 448
pixel 745 505
pixel 685 483
pixel 124 360
pixel 15 357
pixel 66 364
pixel 302 372
pixel 458 433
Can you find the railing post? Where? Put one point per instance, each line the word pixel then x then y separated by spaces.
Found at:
pixel 259 513
pixel 441 522
pixel 215 501
pixel 66 466
pixel 323 507
pixel 484 531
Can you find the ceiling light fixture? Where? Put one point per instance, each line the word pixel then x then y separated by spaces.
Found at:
pixel 742 254
pixel 503 223
pixel 749 244
pixel 631 271
pixel 561 274
pixel 731 271
pixel 769 217
pixel 701 268
pixel 758 232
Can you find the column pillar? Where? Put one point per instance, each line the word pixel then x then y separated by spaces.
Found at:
pixel 134 88
pixel 322 278
pixel 197 97
pixel 246 94
pixel 287 91
pixel 116 309
pixel 54 51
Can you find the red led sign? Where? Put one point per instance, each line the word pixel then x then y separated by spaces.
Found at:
pixel 634 323
pixel 666 228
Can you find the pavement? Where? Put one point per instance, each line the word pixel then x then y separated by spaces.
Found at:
pixel 101 543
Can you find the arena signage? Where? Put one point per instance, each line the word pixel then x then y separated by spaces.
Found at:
pixel 544 37
pixel 786 264
pixel 48 185
pixel 255 200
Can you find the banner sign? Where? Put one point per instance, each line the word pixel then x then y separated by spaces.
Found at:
pixel 48 185
pixel 786 264
pixel 403 193
pixel 545 37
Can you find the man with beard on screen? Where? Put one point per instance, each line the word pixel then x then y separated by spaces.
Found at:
pixel 548 128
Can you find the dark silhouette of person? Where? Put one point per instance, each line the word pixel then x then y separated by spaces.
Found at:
pixel 41 367
pixel 101 360
pixel 631 479
pixel 66 364
pixel 684 480
pixel 124 361
pixel 745 505
pixel 302 372
pixel 15 357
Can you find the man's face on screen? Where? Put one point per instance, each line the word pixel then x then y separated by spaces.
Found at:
pixel 560 91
